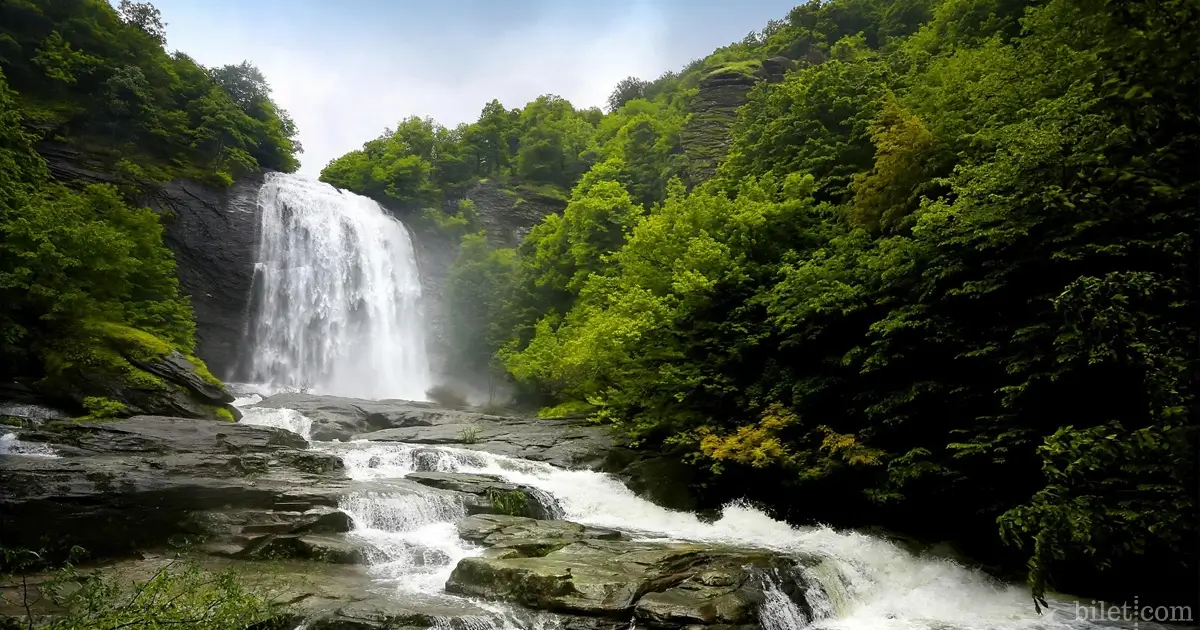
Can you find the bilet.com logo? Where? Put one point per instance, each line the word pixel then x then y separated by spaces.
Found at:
pixel 1132 613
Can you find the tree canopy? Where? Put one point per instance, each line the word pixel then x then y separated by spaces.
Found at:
pixel 944 278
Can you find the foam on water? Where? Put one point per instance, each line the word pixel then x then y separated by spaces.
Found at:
pixel 860 582
pixel 337 295
pixel 10 445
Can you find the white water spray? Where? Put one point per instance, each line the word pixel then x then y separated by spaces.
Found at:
pixel 860 583
pixel 338 295
pixel 10 445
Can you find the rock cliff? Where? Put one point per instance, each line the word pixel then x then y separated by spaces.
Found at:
pixel 706 135
pixel 214 235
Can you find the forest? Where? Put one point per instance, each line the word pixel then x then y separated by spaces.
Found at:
pixel 943 277
pixel 939 276
pixel 83 267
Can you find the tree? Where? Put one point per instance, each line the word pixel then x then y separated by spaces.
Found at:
pixel 145 16
pixel 628 89
pixel 244 83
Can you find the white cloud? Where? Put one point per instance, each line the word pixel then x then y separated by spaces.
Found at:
pixel 346 89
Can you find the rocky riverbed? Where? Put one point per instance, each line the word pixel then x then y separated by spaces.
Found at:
pixel 379 515
pixel 330 519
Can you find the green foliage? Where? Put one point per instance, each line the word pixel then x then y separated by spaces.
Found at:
pixel 946 268
pixel 98 408
pixel 509 503
pixel 224 414
pixel 100 79
pixel 181 594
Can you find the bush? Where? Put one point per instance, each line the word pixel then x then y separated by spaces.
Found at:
pixel 100 408
pixel 181 594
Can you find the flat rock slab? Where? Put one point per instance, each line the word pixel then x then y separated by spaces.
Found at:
pixel 566 567
pixel 146 481
pixel 562 442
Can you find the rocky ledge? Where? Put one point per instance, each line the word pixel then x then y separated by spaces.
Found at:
pixel 569 568
pixel 131 491
pixel 566 443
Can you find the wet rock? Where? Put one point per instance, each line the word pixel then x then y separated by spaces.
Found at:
pixel 145 482
pixel 492 494
pixel 565 567
pixel 515 536
pixel 330 549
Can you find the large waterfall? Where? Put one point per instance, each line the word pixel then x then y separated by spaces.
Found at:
pixel 337 295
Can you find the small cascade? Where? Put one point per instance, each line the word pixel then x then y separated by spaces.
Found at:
pixel 10 445
pixel 843 580
pixel 289 419
pixel 778 611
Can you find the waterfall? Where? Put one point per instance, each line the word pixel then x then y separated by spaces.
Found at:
pixel 337 295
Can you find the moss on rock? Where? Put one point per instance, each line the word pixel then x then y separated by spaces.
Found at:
pixel 111 370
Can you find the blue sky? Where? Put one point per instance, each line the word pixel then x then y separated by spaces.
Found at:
pixel 346 69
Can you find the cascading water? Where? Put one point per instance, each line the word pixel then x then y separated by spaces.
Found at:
pixel 337 294
pixel 860 583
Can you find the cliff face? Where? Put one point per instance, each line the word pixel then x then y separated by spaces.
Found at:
pixel 706 135
pixel 214 234
pixel 505 215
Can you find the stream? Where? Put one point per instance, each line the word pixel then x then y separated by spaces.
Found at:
pixel 867 582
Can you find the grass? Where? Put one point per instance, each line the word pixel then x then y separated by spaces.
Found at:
pixel 468 434
pixel 510 503
pixel 746 67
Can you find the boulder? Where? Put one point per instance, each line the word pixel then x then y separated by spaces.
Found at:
pixel 332 549
pixel 146 482
pixel 562 567
pixel 520 537
pixel 492 494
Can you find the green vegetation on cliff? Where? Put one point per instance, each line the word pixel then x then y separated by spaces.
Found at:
pixel 88 292
pixel 944 278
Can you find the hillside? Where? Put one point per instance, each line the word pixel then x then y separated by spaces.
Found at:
pixel 94 115
pixel 927 264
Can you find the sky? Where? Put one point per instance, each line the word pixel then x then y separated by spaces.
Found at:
pixel 348 69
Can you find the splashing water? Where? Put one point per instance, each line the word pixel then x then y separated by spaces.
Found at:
pixel 289 419
pixel 337 295
pixel 859 582
pixel 10 445
pixel 778 611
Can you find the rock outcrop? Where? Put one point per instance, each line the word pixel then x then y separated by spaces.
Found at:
pixel 566 443
pixel 706 135
pixel 214 235
pixel 145 482
pixel 568 568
